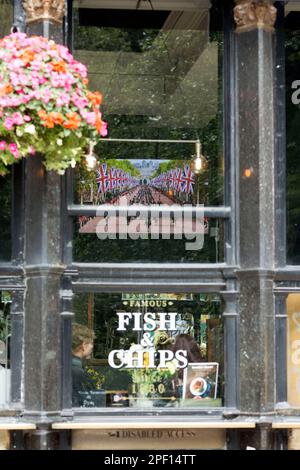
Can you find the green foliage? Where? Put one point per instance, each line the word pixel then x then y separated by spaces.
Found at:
pixel 97 377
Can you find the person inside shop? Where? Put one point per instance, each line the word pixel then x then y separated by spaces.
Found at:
pixel 186 343
pixel 82 347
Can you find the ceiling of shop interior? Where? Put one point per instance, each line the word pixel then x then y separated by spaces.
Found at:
pixel 292 6
pixel 145 4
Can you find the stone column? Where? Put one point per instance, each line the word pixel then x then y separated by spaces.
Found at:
pixel 43 267
pixel 255 78
pixel 281 350
pixel 230 316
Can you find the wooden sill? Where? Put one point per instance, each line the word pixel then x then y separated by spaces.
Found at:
pixel 220 424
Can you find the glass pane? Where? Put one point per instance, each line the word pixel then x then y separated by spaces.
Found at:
pixel 201 243
pixel 147 350
pixel 160 73
pixel 6 17
pixel 5 330
pixel 293 136
pixel 293 349
pixel 5 218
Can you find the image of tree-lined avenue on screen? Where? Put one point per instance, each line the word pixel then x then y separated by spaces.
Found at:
pixel 139 183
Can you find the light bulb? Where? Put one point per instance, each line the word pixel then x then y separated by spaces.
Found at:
pixel 198 162
pixel 91 161
pixel 90 158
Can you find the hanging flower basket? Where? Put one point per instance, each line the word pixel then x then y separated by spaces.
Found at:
pixel 45 105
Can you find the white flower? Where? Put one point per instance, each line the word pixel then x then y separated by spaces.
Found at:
pixel 29 129
pixel 19 132
pixel 59 142
pixel 171 366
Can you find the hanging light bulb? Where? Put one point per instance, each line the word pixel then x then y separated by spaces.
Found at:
pixel 198 162
pixel 90 158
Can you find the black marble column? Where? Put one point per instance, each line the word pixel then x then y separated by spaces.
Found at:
pixel 255 119
pixel 43 267
pixel 231 326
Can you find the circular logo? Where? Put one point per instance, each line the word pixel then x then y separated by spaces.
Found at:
pixel 198 386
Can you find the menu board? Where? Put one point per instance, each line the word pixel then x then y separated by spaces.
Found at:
pixel 200 380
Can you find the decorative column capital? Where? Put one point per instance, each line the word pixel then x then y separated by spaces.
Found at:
pixel 44 10
pixel 254 14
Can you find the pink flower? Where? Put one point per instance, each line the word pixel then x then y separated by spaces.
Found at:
pixel 14 150
pixel 2 145
pixel 80 68
pixel 103 130
pixel 17 119
pixel 79 101
pixel 91 118
pixel 46 95
pixel 27 118
pixel 31 150
pixel 14 78
pixel 25 99
pixel 62 100
pixel 9 123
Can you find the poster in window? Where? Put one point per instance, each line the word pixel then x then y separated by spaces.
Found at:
pixel 200 380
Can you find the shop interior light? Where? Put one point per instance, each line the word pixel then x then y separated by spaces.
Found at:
pixel 90 158
pixel 198 162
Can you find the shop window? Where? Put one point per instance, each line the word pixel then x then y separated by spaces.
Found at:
pixel 160 73
pixel 147 351
pixel 206 243
pixel 6 17
pixel 293 349
pixel 293 136
pixel 5 218
pixel 5 331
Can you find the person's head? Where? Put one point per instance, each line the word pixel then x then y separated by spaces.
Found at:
pixel 187 343
pixel 82 340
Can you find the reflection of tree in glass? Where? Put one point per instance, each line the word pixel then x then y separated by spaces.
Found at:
pixel 293 144
pixel 6 17
pixel 150 91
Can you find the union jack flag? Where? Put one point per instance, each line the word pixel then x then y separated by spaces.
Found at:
pixel 188 179
pixel 179 181
pixel 111 181
pixel 102 178
pixel 118 178
pixel 172 178
pixel 165 180
pixel 124 179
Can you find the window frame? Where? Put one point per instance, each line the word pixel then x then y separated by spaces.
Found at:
pixel 218 278
pixel 186 411
pixel 12 280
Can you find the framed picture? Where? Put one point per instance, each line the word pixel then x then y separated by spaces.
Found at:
pixel 200 381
